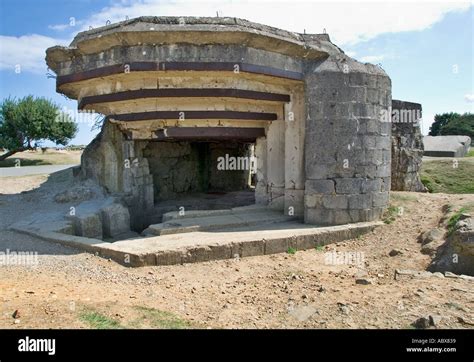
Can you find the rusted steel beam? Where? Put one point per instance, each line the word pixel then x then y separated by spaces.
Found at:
pixel 247 134
pixel 183 92
pixel 183 115
pixel 177 66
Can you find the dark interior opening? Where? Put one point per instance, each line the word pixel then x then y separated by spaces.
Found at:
pixel 200 175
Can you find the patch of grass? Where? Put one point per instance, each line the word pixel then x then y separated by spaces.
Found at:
pixel 98 320
pixel 159 319
pixel 319 247
pixel 390 214
pixel 449 176
pixel 471 152
pixel 291 251
pixel 428 183
pixel 454 219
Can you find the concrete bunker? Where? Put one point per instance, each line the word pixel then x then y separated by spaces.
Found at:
pixel 179 92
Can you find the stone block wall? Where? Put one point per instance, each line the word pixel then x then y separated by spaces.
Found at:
pixel 347 143
pixel 407 146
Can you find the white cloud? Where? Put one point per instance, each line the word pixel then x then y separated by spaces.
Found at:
pixel 27 51
pixel 371 58
pixel 347 22
pixel 469 98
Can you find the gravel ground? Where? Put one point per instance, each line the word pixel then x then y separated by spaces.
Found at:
pixel 276 291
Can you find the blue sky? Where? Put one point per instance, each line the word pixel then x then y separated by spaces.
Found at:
pixel 425 47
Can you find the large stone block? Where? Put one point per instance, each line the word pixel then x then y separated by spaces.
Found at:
pixel 349 185
pixel 335 201
pixel 319 187
pixel 88 225
pixel 115 220
pixel 381 199
pixel 369 185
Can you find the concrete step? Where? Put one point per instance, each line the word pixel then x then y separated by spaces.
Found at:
pixel 173 215
pixel 234 219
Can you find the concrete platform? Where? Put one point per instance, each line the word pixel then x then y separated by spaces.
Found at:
pixel 202 246
pixel 207 220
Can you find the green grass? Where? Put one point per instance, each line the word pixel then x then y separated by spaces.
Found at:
pixel 98 320
pixel 291 251
pixel 454 219
pixel 158 319
pixel 471 152
pixel 441 176
pixel 319 247
pixel 390 214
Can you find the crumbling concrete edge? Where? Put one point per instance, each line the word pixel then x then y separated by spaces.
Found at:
pixel 201 253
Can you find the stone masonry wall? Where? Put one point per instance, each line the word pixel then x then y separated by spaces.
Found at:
pixel 119 166
pixel 407 147
pixel 347 143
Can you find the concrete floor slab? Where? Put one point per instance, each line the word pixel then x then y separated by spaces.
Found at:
pixel 202 246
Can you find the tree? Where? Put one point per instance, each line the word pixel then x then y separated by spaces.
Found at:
pixel 460 126
pixel 440 120
pixel 25 123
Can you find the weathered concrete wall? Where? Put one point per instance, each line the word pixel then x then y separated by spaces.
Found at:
pixel 347 141
pixel 407 146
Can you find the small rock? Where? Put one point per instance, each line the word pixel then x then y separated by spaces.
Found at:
pixel 364 281
pixel 17 321
pixel 16 314
pixel 431 235
pixel 344 308
pixel 421 323
pixel 394 252
pixel 431 248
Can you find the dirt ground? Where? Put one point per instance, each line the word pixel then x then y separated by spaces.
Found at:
pixel 72 289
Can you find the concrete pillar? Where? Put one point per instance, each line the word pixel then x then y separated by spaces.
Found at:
pixel 261 194
pixel 294 155
pixel 138 184
pixel 276 164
